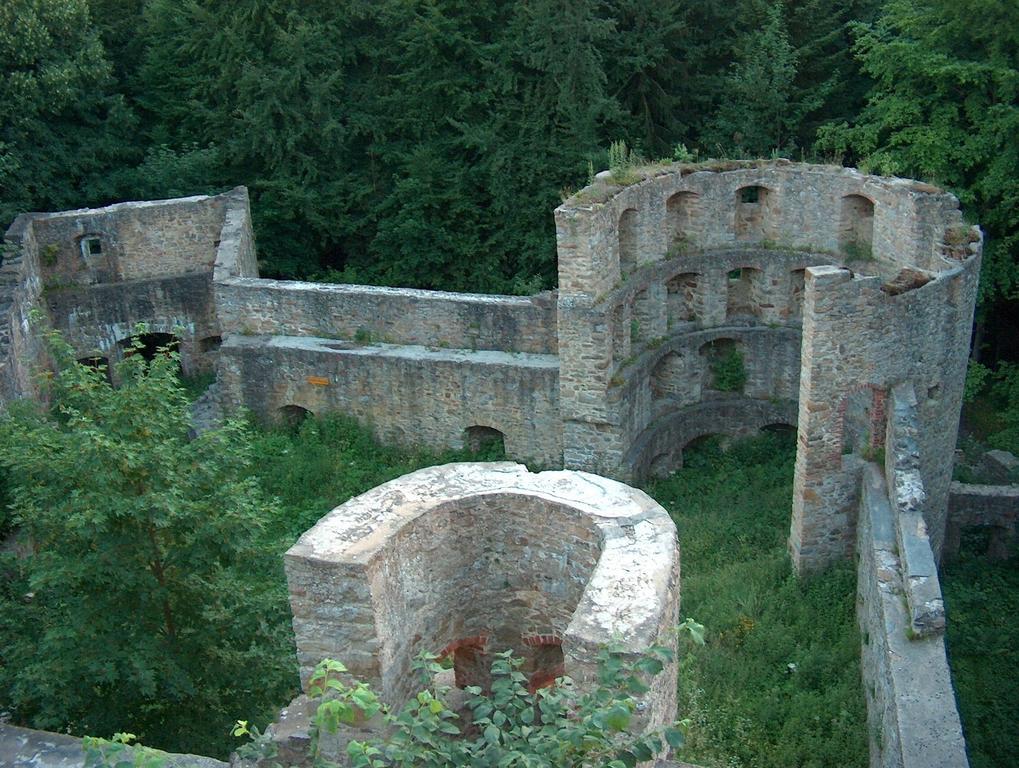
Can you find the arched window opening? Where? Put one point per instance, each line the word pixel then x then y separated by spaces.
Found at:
pixel 485 440
pixel 724 368
pixel 628 241
pixel 856 228
pixel 667 377
pixel 292 416
pixel 545 662
pixel 681 299
pixel 681 212
pixel 210 344
pixel 743 298
pixel 472 664
pixel 149 345
pixel 752 210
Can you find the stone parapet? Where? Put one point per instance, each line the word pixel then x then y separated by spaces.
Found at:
pixel 389 315
pixel 907 496
pixel 912 718
pixel 410 395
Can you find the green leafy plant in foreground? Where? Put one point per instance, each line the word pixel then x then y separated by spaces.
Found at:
pixel 510 725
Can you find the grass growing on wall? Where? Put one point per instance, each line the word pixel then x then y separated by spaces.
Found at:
pixel 982 601
pixel 778 683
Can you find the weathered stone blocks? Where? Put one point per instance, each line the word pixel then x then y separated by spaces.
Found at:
pixel 492 551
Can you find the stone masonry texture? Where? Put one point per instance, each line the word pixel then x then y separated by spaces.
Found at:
pixel 721 297
pixel 493 553
pixel 827 287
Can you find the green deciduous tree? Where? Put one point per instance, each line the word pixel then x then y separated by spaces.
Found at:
pixel 144 603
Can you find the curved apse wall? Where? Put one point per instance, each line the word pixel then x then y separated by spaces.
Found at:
pixel 493 554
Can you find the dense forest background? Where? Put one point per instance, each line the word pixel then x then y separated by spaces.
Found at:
pixel 425 143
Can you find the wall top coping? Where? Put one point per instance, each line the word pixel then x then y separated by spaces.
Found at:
pixel 545 298
pixel 627 592
pixel 601 192
pixel 132 205
pixel 395 351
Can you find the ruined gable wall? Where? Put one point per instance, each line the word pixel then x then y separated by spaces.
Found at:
pixel 154 265
pixel 137 240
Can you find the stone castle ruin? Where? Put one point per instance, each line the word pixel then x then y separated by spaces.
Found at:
pixel 700 300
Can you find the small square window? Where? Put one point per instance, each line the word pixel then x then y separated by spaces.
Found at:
pixel 736 274
pixel 91 246
pixel 750 195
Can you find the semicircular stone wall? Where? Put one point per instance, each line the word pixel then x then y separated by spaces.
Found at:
pixel 486 557
pixel 725 297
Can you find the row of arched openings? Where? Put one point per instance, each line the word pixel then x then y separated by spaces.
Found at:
pixel 755 219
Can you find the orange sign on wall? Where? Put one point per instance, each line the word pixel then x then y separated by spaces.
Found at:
pixel 318 381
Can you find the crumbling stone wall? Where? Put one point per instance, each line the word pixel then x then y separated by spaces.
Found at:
pixel 22 352
pixel 491 553
pixel 389 315
pixel 911 712
pixel 994 508
pixel 135 241
pixel 727 297
pixel 857 336
pixel 95 274
pixel 735 254
pixel 410 395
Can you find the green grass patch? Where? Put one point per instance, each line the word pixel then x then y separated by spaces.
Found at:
pixel 982 601
pixel 326 461
pixel 778 683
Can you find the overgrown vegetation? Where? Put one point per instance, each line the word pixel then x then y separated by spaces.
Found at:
pixel 992 405
pixel 778 683
pixel 153 598
pixel 728 372
pixel 510 725
pixel 156 583
pixel 982 600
